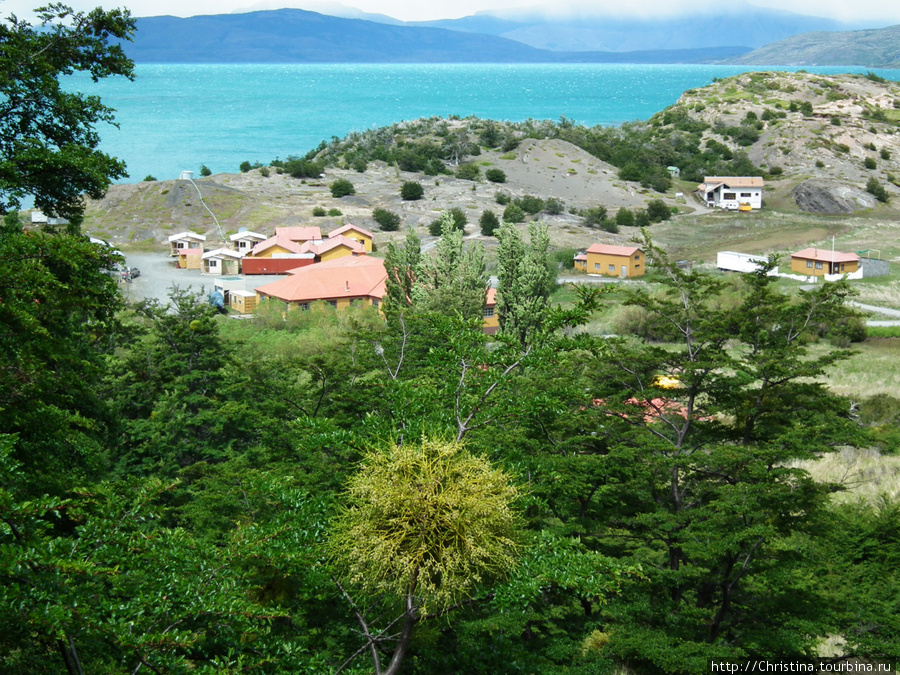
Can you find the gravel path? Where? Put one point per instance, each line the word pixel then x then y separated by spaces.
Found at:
pixel 159 276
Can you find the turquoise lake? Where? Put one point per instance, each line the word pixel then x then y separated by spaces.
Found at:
pixel 178 117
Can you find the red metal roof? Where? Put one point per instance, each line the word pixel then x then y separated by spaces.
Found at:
pixel 347 277
pixel 609 249
pixel 299 233
pixel 278 240
pixel 324 245
pixel 348 228
pixel 824 255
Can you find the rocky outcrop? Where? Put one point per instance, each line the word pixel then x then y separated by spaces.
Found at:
pixel 818 195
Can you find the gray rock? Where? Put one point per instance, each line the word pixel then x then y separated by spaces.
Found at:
pixel 818 195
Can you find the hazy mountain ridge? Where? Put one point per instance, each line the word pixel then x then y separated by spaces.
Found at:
pixel 746 25
pixel 299 36
pixel 875 48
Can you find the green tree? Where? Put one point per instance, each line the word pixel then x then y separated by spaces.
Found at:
pixel 495 175
pixel 402 266
pixel 468 171
pixel 513 213
pixel 411 190
pixel 657 211
pixel 58 325
pixel 625 217
pixel 454 279
pixel 428 524
pixel 48 140
pixel 488 223
pixel 388 221
pixel 342 188
pixel 525 281
pixel 877 190
pixel 205 170
pixel 712 498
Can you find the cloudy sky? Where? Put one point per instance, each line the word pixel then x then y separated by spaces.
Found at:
pixel 882 12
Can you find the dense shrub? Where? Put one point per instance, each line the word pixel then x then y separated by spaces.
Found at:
pixel 302 168
pixel 495 175
pixel 334 212
pixel 530 204
pixel 342 188
pixel 388 221
pixel 488 223
pixel 554 206
pixel 870 163
pixel 502 198
pixel 513 213
pixel 625 217
pixel 468 171
pixel 877 190
pixel 319 212
pixel 594 216
pixel 411 191
pixel 657 211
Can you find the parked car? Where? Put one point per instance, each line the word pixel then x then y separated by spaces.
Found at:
pixel 134 272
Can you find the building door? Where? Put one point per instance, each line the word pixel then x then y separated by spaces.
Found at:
pixel 624 271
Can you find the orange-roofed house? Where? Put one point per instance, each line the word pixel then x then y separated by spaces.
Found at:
pixel 276 255
pixel 817 262
pixel 299 234
pixel 732 192
pixel 355 233
pixel 612 261
pixel 333 247
pixel 339 282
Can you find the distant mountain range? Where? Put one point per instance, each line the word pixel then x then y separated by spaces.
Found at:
pixel 301 36
pixel 878 48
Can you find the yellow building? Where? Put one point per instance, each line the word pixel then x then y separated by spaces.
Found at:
pixel 339 282
pixel 190 258
pixel 354 233
pixel 816 262
pixel 491 318
pixel 612 261
pixel 333 248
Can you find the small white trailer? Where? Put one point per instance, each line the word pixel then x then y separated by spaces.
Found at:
pixel 731 261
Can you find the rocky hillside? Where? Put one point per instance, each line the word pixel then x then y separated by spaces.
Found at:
pixel 261 199
pixel 877 48
pixel 820 139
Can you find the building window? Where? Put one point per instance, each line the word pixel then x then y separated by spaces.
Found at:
pixel 746 194
pixel 303 306
pixel 809 263
pixel 818 265
pixel 374 302
pixel 612 268
pixel 636 265
pixel 333 303
pixel 637 257
pixel 729 195
pixel 488 312
pixel 213 263
pixel 596 266
pixel 842 267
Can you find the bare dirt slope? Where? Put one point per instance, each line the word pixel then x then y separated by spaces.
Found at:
pixel 146 213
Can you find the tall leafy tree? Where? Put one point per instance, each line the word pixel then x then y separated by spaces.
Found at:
pixel 48 139
pixel 525 281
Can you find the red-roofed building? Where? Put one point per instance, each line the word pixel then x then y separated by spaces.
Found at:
pixel 190 258
pixel 299 234
pixel 355 233
pixel 612 261
pixel 333 247
pixel 276 255
pixel 491 318
pixel 818 262
pixel 338 282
